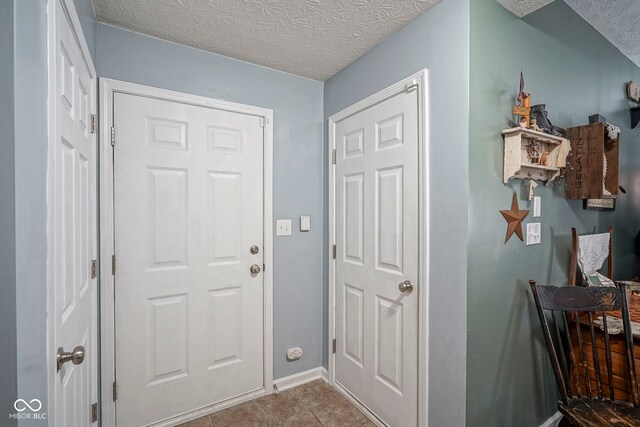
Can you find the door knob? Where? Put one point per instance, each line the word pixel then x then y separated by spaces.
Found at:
pixel 254 249
pixel 406 286
pixel 255 269
pixel 76 356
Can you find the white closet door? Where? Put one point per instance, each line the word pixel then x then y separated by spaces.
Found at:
pixel 377 250
pixel 73 198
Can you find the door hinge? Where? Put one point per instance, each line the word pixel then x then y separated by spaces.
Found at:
pixel 94 268
pixel 115 391
pixel 335 250
pixel 333 157
pixel 113 264
pixel 411 86
pixel 93 123
pixel 113 136
pixel 334 345
pixel 94 412
pixel 262 121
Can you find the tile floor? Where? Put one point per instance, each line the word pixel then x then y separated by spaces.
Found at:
pixel 314 404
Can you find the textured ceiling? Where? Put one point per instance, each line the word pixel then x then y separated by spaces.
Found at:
pixel 311 38
pixel 522 8
pixel 617 20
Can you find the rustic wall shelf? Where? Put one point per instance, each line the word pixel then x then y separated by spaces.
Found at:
pixel 592 165
pixel 519 163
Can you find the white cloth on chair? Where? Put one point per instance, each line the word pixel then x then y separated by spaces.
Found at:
pixel 593 249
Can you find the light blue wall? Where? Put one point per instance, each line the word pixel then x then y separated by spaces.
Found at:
pixel 8 373
pixel 297 164
pixel 88 22
pixel 439 41
pixel 576 72
pixel 30 38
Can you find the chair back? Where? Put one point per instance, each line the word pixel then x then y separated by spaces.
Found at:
pixel 570 304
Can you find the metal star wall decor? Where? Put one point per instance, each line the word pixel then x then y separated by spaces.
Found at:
pixel 514 218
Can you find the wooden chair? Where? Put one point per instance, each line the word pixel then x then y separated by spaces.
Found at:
pixel 592 406
pixel 573 265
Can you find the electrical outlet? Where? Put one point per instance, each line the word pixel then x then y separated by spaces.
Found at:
pixel 294 353
pixel 533 233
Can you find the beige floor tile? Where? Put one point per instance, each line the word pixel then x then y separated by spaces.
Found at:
pixel 243 415
pixel 200 422
pixel 301 419
pixel 276 408
pixel 316 392
pixel 339 413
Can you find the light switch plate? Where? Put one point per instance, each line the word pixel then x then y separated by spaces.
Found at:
pixel 283 227
pixel 537 206
pixel 533 233
pixel 305 223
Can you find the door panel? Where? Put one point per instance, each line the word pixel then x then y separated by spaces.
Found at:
pixel 377 248
pixel 73 192
pixel 188 185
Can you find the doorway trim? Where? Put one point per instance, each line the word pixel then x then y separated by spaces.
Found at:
pixel 419 81
pixel 108 87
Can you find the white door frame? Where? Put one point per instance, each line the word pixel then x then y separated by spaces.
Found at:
pixel 52 73
pixel 105 154
pixel 417 82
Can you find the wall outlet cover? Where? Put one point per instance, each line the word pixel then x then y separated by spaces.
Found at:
pixel 294 353
pixel 533 233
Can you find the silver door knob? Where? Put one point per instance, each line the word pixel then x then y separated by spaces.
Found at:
pixel 76 356
pixel 406 286
pixel 254 249
pixel 255 269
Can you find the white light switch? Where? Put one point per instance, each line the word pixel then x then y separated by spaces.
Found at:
pixel 537 202
pixel 533 233
pixel 305 223
pixel 283 227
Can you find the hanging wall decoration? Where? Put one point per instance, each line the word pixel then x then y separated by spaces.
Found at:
pixel 514 218
pixel 522 107
pixel 535 149
pixel 633 93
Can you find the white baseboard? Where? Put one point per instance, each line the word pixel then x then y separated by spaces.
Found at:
pixel 553 421
pixel 324 374
pixel 284 383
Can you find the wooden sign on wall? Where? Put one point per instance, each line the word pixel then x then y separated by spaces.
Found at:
pixel 592 164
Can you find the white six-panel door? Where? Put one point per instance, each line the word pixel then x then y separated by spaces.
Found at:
pixel 73 242
pixel 188 186
pixel 376 229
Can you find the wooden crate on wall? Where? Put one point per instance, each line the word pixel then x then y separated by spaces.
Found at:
pixel 588 176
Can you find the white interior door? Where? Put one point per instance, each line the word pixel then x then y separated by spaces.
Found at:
pixel 73 201
pixel 376 226
pixel 188 186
